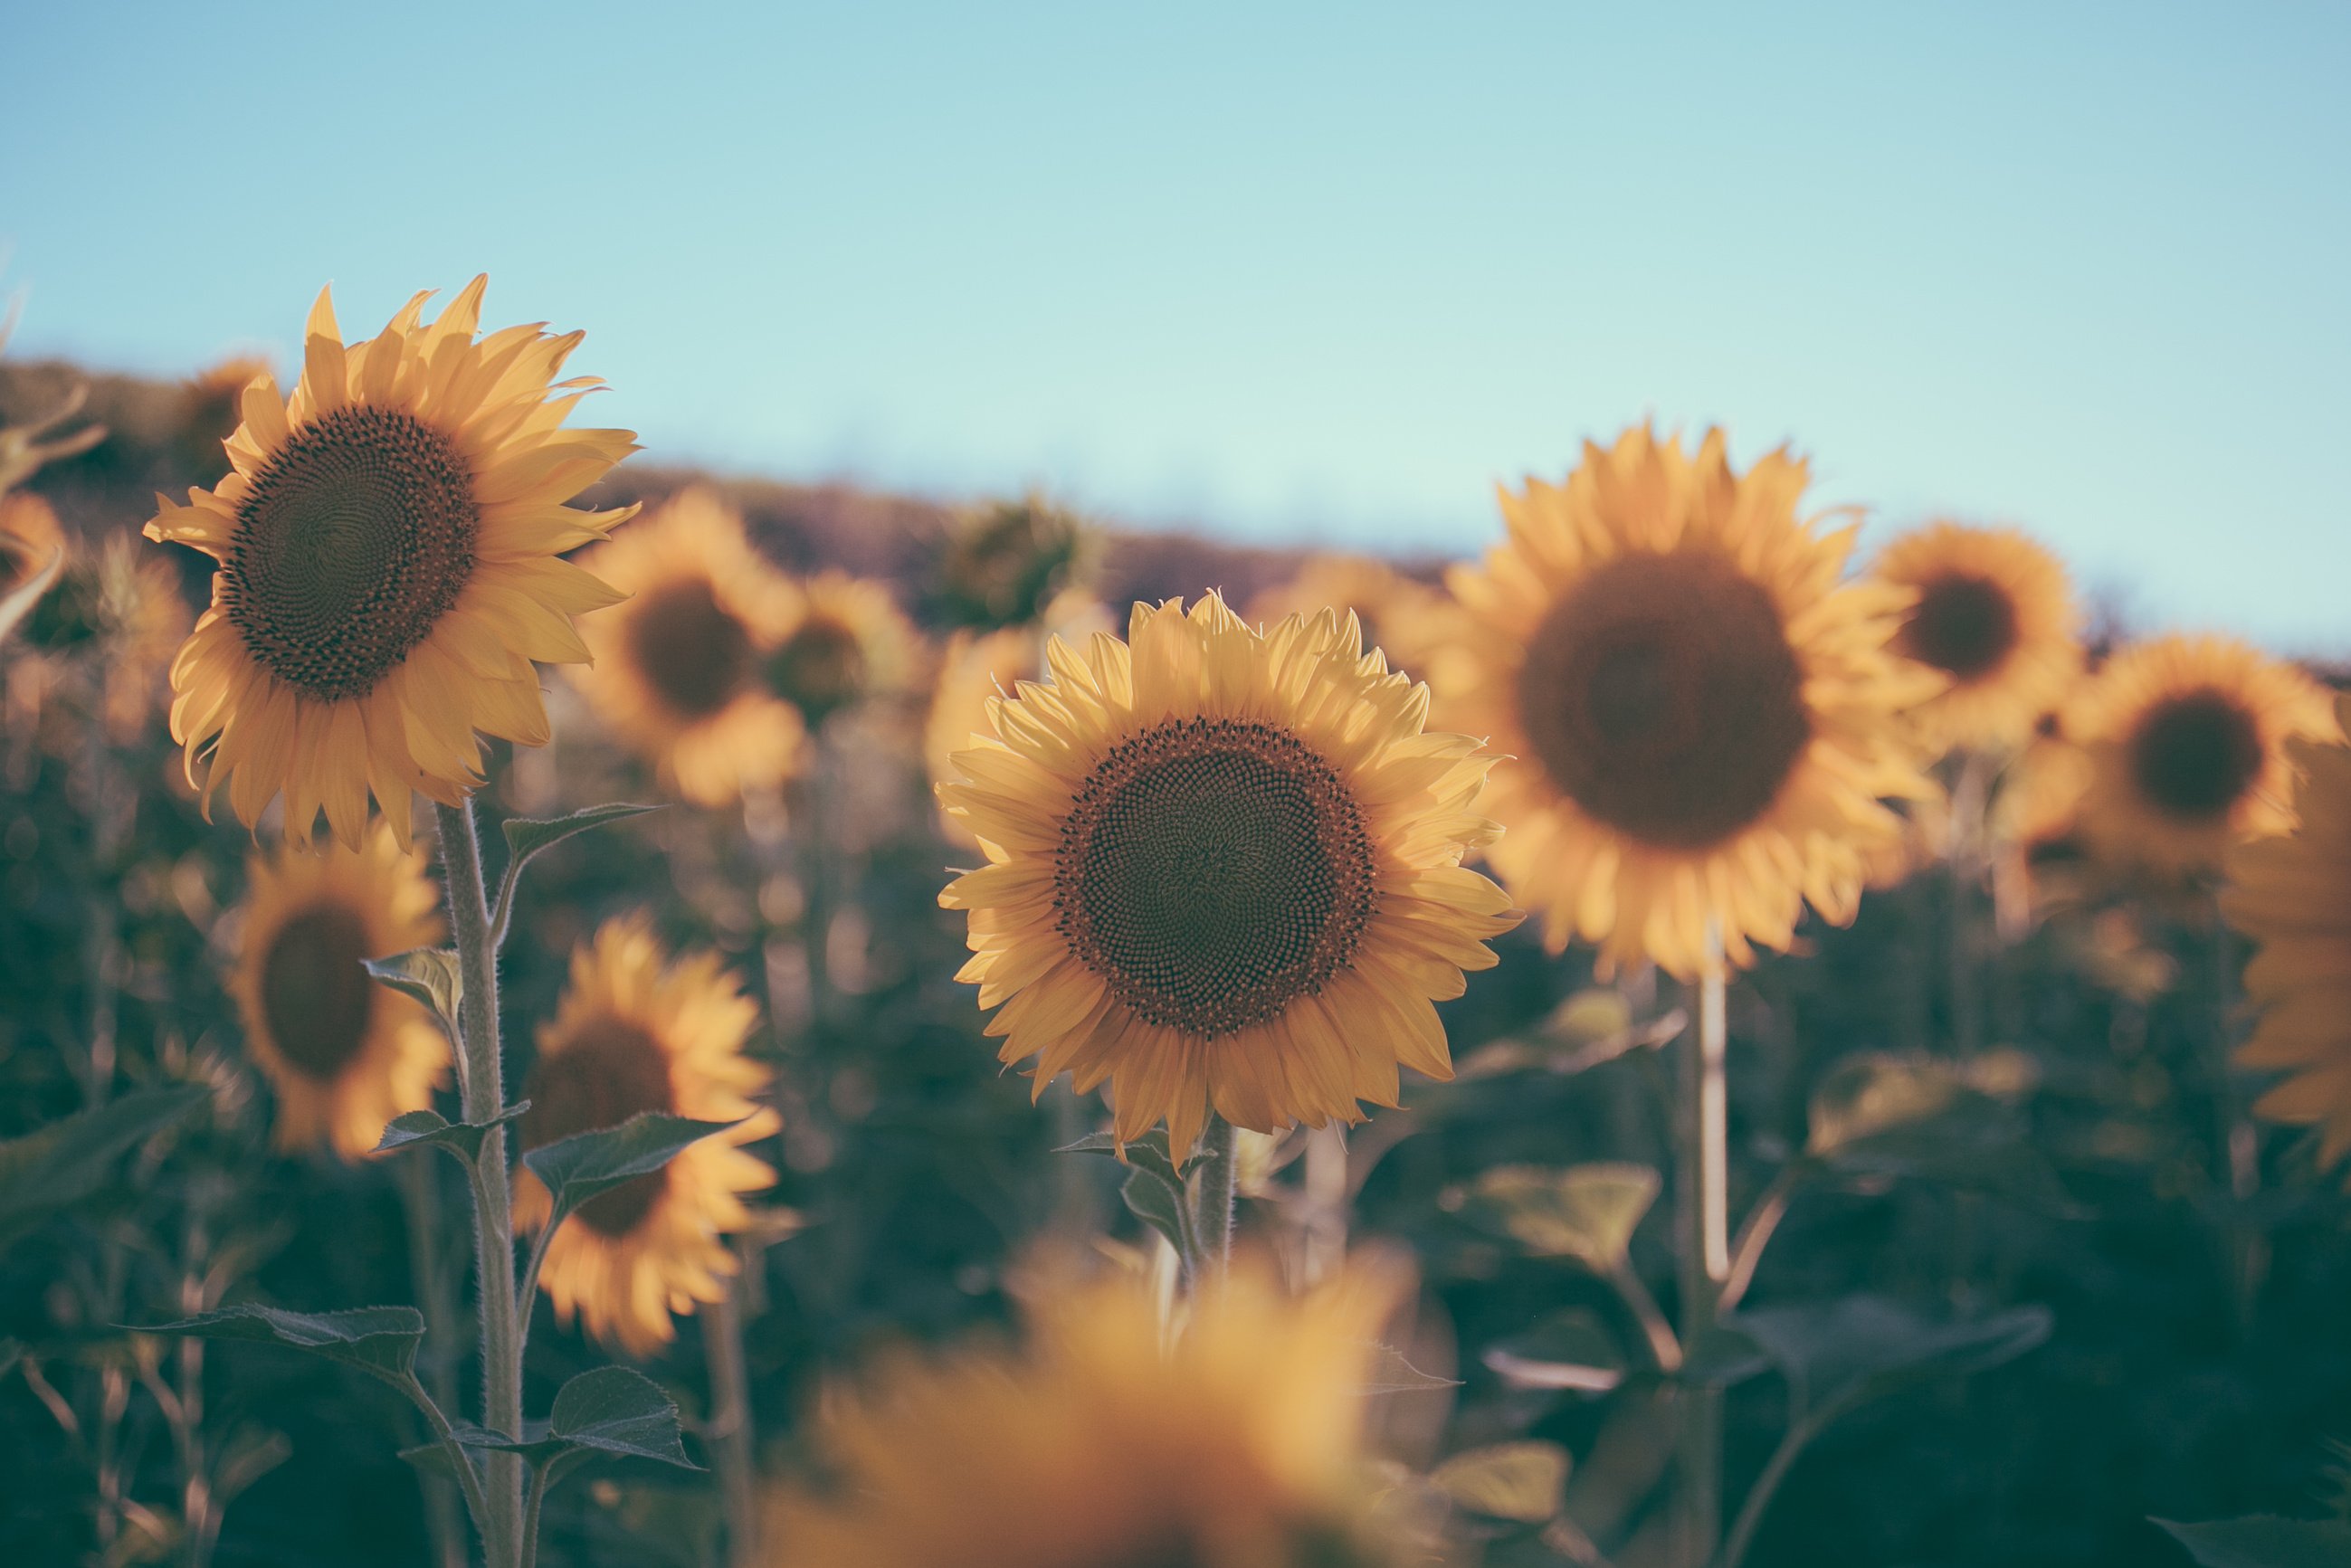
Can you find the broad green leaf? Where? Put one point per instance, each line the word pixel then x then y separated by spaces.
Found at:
pixel 423 1129
pixel 1871 1094
pixel 577 1168
pixel 1160 1204
pixel 381 1341
pixel 431 976
pixel 1386 1371
pixel 1571 1351
pixel 19 601
pixel 616 1411
pixel 1149 1152
pixel 1721 1356
pixel 1844 1353
pixel 55 1166
pixel 434 1458
pixel 1521 1481
pixel 2263 1542
pixel 1587 1212
pixel 526 836
pixel 1600 1013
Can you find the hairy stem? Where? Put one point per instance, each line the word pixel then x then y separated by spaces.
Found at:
pixel 1213 1205
pixel 1701 1201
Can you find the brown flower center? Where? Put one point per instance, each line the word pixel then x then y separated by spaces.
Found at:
pixel 820 666
pixel 610 1069
pixel 352 543
pixel 316 1001
pixel 1963 626
pixel 1212 872
pixel 1660 696
pixel 2194 755
pixel 691 651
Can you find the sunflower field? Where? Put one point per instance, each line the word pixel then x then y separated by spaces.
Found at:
pixel 560 1010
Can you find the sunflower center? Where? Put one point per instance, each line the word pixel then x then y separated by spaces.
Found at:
pixel 1962 625
pixel 1212 872
pixel 691 651
pixel 352 543
pixel 315 998
pixel 820 666
pixel 608 1071
pixel 1662 697
pixel 2195 754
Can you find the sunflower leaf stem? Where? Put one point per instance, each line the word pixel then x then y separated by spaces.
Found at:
pixel 483 1094
pixel 1964 865
pixel 421 1205
pixel 733 1442
pixel 1701 1201
pixel 2238 1139
pixel 1212 1214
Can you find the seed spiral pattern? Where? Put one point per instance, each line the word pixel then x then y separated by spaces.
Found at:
pixel 608 1070
pixel 1212 871
pixel 690 649
pixel 1963 624
pixel 1661 697
pixel 2194 755
pixel 314 998
pixel 352 543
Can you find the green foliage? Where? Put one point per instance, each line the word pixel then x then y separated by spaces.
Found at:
pixel 66 1162
pixel 2264 1543
pixel 1525 1482
pixel 577 1168
pixel 380 1341
pixel 430 1129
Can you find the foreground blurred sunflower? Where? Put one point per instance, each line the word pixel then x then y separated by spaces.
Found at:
pixel 345 1054
pixel 388 541
pixel 676 667
pixel 633 1033
pixel 2186 738
pixel 1707 721
pixel 1100 1445
pixel 1226 870
pixel 2293 896
pixel 845 639
pixel 1995 616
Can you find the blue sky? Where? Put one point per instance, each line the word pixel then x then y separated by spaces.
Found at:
pixel 1318 273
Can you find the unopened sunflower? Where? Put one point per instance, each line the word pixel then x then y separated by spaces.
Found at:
pixel 2293 896
pixel 345 1054
pixel 636 1032
pixel 1995 617
pixel 1224 869
pixel 1239 1445
pixel 676 669
pixel 1706 722
pixel 845 640
pixel 388 541
pixel 2186 738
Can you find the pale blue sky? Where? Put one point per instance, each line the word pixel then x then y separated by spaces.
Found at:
pixel 1291 272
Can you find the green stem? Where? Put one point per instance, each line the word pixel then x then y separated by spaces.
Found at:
pixel 1964 862
pixel 1759 1497
pixel 816 883
pixel 421 1202
pixel 2240 1141
pixel 730 1436
pixel 1701 1200
pixel 483 1088
pixel 1212 1211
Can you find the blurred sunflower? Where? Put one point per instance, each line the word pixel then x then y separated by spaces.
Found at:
pixel 1994 615
pixel 636 1032
pixel 1100 1443
pixel 388 541
pixel 2186 738
pixel 345 1054
pixel 844 641
pixel 1224 869
pixel 1386 602
pixel 2293 896
pixel 1006 563
pixel 139 619
pixel 973 669
pixel 1710 722
pixel 677 668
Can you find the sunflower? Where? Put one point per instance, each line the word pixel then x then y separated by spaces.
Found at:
pixel 345 1054
pixel 2293 896
pixel 1225 869
pixel 1007 562
pixel 1099 1443
pixel 973 669
pixel 1709 721
pixel 388 541
pixel 1995 617
pixel 636 1032
pixel 846 641
pixel 676 667
pixel 2186 738
pixel 1384 600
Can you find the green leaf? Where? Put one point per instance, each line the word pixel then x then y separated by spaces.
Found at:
pixel 380 1341
pixel 1720 1357
pixel 577 1168
pixel 2265 1541
pixel 1159 1203
pixel 1587 1212
pixel 432 976
pixel 19 601
pixel 1523 1482
pixel 1148 1151
pixel 526 836
pixel 616 1411
pixel 1862 1347
pixel 1570 1351
pixel 1388 1372
pixel 1875 1093
pixel 423 1129
pixel 55 1166
pixel 11 1352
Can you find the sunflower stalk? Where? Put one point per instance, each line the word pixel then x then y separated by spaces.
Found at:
pixel 733 1442
pixel 482 1091
pixel 2239 1140
pixel 1216 1194
pixel 1702 1234
pixel 421 1204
